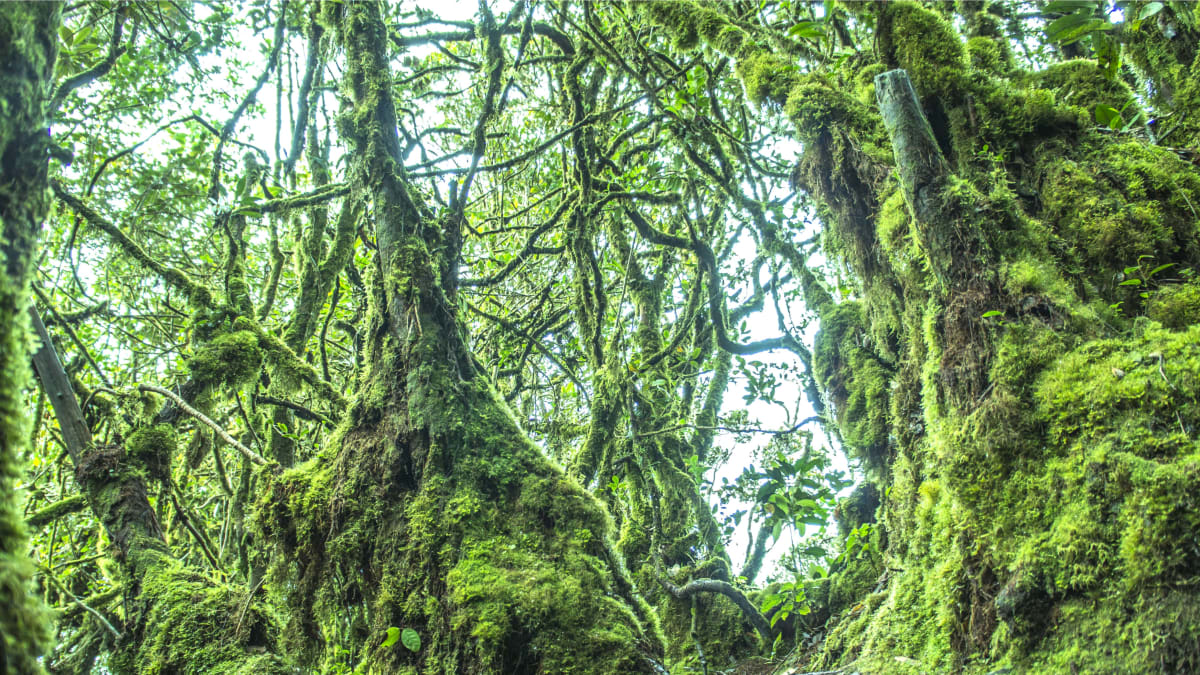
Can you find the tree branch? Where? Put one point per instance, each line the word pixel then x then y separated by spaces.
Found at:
pixel 183 405
pixel 723 588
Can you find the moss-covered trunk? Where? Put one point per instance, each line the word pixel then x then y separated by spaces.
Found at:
pixel 28 47
pixel 1019 372
pixel 432 512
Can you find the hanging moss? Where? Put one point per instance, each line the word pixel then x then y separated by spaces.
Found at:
pixel 857 382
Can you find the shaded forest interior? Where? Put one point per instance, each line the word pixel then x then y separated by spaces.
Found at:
pixel 600 337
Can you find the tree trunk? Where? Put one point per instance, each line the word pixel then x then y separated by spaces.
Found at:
pixel 28 47
pixel 432 512
pixel 1031 419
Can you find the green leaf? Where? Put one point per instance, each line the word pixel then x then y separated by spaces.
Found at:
pixel 1131 282
pixel 1073 27
pixel 1150 10
pixel 1070 5
pixel 411 639
pixel 770 602
pixel 1068 22
pixel 994 312
pixel 1158 269
pixel 393 634
pixel 1109 117
pixel 807 29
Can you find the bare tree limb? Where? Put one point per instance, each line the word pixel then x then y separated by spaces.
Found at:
pixel 183 405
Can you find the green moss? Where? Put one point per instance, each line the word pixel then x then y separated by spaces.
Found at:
pixel 1127 200
pixel 724 635
pixel 195 625
pixel 1158 520
pixel 912 619
pixel 1153 632
pixel 27 51
pixel 1085 395
pixel 1163 53
pixel 926 45
pixel 498 590
pixel 690 22
pixel 857 382
pixel 989 56
pixel 815 106
pixel 493 555
pixel 858 574
pixel 864 83
pixel 1085 503
pixel 153 448
pixel 768 78
pixel 894 231
pixel 230 359
pixel 1176 306
pixel 1082 83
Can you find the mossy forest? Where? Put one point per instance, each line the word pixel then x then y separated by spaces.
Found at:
pixel 549 336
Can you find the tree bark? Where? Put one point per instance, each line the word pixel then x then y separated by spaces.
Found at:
pixel 919 161
pixel 28 48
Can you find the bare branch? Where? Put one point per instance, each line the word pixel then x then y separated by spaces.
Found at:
pixel 183 405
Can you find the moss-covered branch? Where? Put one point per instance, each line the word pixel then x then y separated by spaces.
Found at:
pixel 194 291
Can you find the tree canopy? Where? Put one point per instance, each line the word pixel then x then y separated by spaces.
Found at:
pixel 600 337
